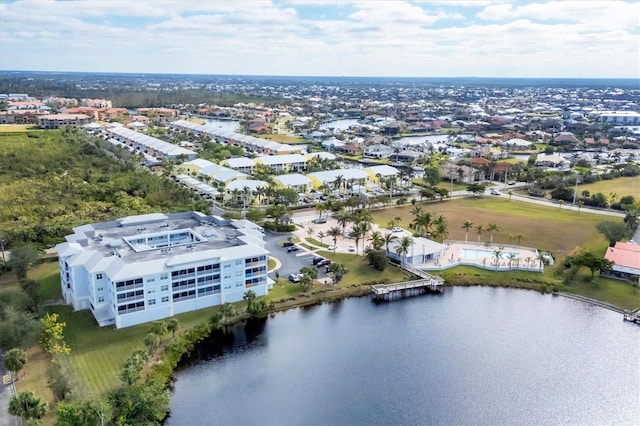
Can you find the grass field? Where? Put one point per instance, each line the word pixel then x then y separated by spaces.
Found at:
pixel 278 137
pixel 547 228
pixel 621 186
pixel 12 128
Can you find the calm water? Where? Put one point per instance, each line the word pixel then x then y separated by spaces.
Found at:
pixel 470 356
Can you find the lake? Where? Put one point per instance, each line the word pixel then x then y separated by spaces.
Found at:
pixel 470 356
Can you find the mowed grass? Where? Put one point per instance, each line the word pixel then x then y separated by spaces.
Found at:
pixel 620 186
pixel 546 228
pixel 282 138
pixel 16 128
pixel 617 292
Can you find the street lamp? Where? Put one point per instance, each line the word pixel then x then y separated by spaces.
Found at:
pixel 575 188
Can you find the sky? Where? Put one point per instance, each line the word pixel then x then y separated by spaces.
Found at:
pixel 473 38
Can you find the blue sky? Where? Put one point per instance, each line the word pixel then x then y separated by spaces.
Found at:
pixel 332 37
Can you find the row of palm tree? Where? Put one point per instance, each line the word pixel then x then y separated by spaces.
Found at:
pixel 429 224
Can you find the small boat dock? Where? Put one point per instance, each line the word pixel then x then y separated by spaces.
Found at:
pixel 429 284
pixel 633 316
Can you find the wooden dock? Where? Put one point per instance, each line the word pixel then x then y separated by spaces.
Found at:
pixel 384 292
pixel 633 316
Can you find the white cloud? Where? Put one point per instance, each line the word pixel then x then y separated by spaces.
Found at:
pixel 557 38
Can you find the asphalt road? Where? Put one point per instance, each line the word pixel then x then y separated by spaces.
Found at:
pixel 6 392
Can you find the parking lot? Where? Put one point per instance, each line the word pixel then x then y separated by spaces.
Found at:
pixel 291 262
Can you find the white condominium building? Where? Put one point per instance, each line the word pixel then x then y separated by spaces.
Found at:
pixel 148 267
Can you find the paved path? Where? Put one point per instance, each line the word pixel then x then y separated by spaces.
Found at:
pixel 6 392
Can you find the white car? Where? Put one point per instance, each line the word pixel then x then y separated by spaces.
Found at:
pixel 332 247
pixel 352 247
pixel 494 192
pixel 396 229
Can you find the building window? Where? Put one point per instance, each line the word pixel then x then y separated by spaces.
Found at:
pixel 151 291
pixel 101 299
pixel 164 287
pixel 164 276
pixel 100 288
pixel 239 262
pixel 151 280
pixel 165 299
pixel 152 301
pixel 98 276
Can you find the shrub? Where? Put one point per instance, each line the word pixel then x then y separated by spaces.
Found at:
pixel 280 227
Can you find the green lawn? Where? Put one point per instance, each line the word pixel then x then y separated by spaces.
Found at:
pixel 620 186
pixel 546 228
pixel 360 272
pixel 19 128
pixel 49 277
pixel 278 137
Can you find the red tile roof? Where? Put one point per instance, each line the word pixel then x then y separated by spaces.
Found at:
pixel 624 254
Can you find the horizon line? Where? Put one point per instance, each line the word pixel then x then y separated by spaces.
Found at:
pixel 316 76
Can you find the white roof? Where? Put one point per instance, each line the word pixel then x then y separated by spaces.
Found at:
pixel 199 162
pixel 239 162
pixel 517 142
pixel 330 175
pixel 293 179
pixel 322 154
pixel 241 184
pixel 269 160
pixel 383 170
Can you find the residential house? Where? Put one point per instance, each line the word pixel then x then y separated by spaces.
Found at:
pixel 626 261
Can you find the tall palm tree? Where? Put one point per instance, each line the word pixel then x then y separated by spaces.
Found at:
pixel 512 258
pixel 321 235
pixel 497 254
pixel 403 247
pixel 320 209
pixel 334 232
pixel 441 232
pixel 377 240
pixel 343 218
pixel 356 233
pixel 337 182
pixel 479 228
pixel 491 229
pixel 363 228
pixel 388 238
pixel 466 226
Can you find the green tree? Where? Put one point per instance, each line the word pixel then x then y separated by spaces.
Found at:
pixel 614 231
pixel 151 341
pixel 497 254
pixel 28 406
pixel 140 403
pixel 250 297
pixel 492 228
pixel 378 259
pixel 92 411
pixel 593 262
pixel 479 229
pixel 476 189
pixel 22 259
pixel 18 328
pixel 466 226
pixel 337 270
pixel 334 232
pixel 32 289
pixel 388 239
pixel 61 378
pixel 215 320
pixel 14 360
pixel 159 327
pixel 52 335
pixel 172 325
pixel 227 311
pixel 404 245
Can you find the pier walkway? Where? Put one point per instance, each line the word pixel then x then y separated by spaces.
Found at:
pixel 426 283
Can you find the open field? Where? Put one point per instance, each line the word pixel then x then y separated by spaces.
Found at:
pixel 547 228
pixel 12 128
pixel 620 186
pixel 278 137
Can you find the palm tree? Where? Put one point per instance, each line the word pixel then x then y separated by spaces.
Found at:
pixel 512 257
pixel 403 247
pixel 377 240
pixel 249 296
pixel 496 255
pixel 320 209
pixel 321 235
pixel 357 234
pixel 172 325
pixel 337 183
pixel 226 311
pixel 151 341
pixel 466 226
pixel 423 222
pixel 415 211
pixel 28 406
pixel 541 259
pixel 491 229
pixel 343 217
pixel 362 228
pixel 479 228
pixel 388 238
pixel 528 260
pixel 334 232
pixel 441 232
pixel 310 231
pixel 519 237
pixel 14 360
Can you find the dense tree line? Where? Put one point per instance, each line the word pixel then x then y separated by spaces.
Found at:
pixel 51 181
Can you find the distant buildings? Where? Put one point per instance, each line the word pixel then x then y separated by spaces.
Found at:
pixel 149 267
pixel 57 121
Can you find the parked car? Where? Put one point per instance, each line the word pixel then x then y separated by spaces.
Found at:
pixel 325 262
pixel 332 247
pixel 295 278
pixel 352 247
pixel 293 248
pixel 512 182
pixel 494 192
pixel 396 229
pixel 316 260
pixel 320 220
pixel 288 244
